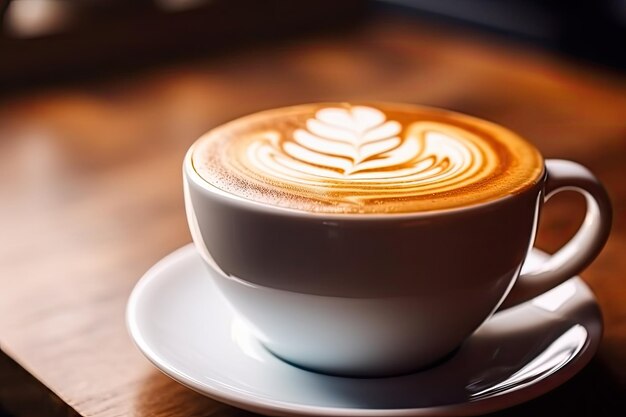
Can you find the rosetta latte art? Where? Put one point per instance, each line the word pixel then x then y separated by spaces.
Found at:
pixel 357 150
pixel 347 158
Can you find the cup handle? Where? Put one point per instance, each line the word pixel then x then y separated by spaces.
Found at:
pixel 586 244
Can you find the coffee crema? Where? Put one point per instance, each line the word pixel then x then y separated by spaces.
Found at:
pixel 365 158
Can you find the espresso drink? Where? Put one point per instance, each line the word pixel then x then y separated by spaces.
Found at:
pixel 365 158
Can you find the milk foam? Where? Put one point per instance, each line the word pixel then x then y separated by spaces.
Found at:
pixel 359 158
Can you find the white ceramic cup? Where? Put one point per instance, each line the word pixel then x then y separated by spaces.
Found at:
pixel 374 295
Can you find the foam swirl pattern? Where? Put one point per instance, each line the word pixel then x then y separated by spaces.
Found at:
pixel 360 158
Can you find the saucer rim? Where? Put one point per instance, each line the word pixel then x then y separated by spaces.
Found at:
pixel 217 390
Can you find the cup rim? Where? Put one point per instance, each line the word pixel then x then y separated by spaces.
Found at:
pixel 269 208
pixel 190 174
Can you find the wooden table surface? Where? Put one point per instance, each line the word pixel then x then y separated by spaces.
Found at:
pixel 90 190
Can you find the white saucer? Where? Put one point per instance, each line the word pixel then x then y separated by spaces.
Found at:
pixel 179 321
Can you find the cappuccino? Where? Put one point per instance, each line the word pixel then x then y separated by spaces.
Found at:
pixel 366 158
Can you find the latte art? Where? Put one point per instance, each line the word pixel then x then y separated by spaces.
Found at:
pixel 358 150
pixel 363 159
pixel 348 142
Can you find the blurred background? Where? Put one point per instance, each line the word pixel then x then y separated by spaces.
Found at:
pixel 60 39
pixel 100 99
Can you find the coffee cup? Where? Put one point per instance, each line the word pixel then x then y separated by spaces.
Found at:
pixel 386 278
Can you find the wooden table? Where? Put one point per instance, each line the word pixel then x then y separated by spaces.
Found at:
pixel 90 191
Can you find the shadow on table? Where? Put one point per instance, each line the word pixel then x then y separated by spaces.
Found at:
pixel 593 392
pixel 23 395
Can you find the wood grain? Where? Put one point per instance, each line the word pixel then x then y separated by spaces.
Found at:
pixel 90 189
